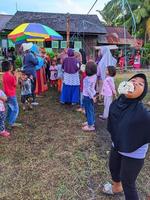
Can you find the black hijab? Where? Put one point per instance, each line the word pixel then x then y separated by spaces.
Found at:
pixel 129 121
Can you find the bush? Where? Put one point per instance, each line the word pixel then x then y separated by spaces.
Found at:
pixel 145 57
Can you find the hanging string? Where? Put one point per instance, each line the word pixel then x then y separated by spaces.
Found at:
pixel 125 35
pixel 92 7
pixel 133 18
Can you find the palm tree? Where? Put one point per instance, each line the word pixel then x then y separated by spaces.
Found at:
pixel 135 12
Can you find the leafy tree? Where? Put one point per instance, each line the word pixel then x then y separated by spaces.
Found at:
pixel 134 12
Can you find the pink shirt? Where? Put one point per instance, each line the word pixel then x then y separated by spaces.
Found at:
pixel 108 88
pixel 89 83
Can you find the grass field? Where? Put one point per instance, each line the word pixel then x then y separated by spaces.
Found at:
pixel 50 158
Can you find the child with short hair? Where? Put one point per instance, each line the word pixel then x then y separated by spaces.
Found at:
pixel 3 98
pixel 9 81
pixel 89 96
pixel 108 90
pixel 53 73
pixel 26 94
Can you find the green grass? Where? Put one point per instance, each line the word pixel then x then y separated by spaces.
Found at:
pixel 50 158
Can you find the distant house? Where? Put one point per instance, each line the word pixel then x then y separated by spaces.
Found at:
pixel 118 36
pixel 3 34
pixel 84 29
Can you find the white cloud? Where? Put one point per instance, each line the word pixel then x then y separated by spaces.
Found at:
pixel 3 13
pixel 68 1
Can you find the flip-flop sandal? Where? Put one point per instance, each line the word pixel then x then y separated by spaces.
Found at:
pixel 84 124
pixel 107 189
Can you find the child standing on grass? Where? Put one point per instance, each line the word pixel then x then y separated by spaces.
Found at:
pixel 59 74
pixel 3 98
pixel 53 74
pixel 9 84
pixel 108 90
pixel 89 96
pixel 25 84
pixel 82 76
pixel 128 125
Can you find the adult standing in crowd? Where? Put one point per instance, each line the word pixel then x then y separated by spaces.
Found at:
pixel 63 55
pixel 106 60
pixel 41 83
pixel 71 83
pixel 83 54
pixel 29 65
pixel 137 60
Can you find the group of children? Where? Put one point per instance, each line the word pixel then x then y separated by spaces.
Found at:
pixel 25 81
pixel 89 95
pixel 9 82
pixel 56 73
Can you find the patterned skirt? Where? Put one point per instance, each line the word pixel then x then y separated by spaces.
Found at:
pixel 71 89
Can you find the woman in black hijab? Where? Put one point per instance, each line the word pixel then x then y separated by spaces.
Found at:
pixel 129 127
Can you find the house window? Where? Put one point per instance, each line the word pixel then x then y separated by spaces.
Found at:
pixel 55 44
pixel 4 43
pixel 77 45
pixel 63 44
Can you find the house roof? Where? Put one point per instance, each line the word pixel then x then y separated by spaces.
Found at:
pixel 118 32
pixel 57 21
pixel 116 35
pixel 3 20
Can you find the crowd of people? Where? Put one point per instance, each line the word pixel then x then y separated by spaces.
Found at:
pixel 82 83
pixel 133 60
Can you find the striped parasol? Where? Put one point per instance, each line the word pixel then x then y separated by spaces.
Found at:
pixel 33 32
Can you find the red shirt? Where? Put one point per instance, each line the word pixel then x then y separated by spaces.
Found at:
pixel 9 84
pixel 83 75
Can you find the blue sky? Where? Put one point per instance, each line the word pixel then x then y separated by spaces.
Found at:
pixel 55 6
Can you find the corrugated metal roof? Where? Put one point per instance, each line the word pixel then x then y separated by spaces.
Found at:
pixel 3 20
pixel 57 21
pixel 118 31
pixel 115 35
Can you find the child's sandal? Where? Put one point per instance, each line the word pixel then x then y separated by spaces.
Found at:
pixel 88 128
pixel 84 124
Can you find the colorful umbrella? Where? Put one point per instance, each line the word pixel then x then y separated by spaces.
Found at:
pixel 33 32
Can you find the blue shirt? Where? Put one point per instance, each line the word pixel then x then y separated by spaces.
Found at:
pixel 30 62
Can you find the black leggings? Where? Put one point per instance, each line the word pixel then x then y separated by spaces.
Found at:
pixel 33 87
pixel 126 170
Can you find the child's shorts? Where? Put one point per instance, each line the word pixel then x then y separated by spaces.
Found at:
pixel 25 98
